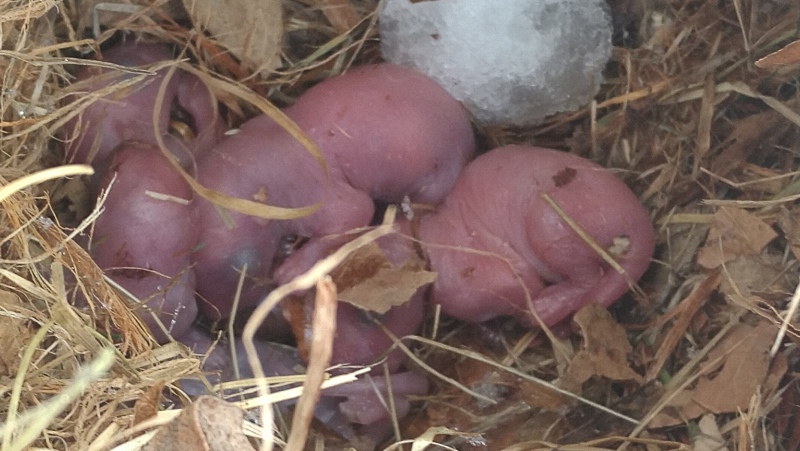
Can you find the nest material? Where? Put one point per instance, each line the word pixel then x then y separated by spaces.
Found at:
pixel 708 139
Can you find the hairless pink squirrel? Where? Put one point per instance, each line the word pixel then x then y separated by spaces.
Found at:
pixel 127 115
pixel 144 237
pixel 385 132
pixel 496 238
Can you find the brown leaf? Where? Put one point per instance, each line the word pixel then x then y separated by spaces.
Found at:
pixel 745 352
pixel 747 274
pixel 784 57
pixel 605 350
pixel 146 407
pixel 734 232
pixel 369 281
pixel 208 424
pixel 749 135
pixel 341 14
pixel 294 310
pixel 250 29
pixel 736 369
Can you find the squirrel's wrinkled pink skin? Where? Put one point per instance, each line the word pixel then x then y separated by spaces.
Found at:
pixel 497 207
pixel 144 237
pixel 392 131
pixel 363 405
pixel 360 341
pixel 384 131
pixel 128 114
pixel 168 307
pixel 262 162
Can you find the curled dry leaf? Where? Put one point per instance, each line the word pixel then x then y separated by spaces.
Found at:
pixel 341 14
pixel 146 406
pixel 734 232
pixel 762 276
pixel 369 281
pixel 250 29
pixel 605 350
pixel 736 369
pixel 786 56
pixel 208 424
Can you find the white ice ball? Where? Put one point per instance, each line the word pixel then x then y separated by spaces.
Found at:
pixel 508 61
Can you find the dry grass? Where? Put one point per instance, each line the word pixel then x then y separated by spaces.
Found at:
pixel 685 117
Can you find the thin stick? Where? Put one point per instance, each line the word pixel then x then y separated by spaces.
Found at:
pixel 300 283
pixel 323 327
pixel 21 183
pixel 786 321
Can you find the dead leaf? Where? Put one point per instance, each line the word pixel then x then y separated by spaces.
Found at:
pixel 710 437
pixel 250 29
pixel 734 232
pixel 366 279
pixel 735 370
pixel 208 424
pixel 293 308
pixel 605 350
pixel 146 406
pixel 749 135
pixel 341 14
pixel 754 273
pixel 786 56
pixel 745 352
